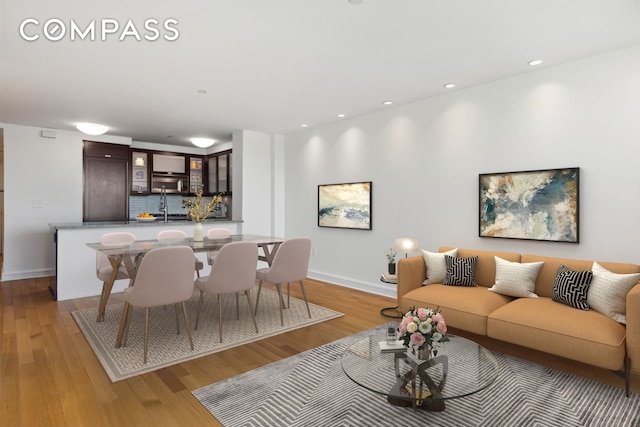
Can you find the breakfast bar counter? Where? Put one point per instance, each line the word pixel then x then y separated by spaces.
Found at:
pixel 75 262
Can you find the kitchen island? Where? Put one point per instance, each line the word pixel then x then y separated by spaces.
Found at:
pixel 75 262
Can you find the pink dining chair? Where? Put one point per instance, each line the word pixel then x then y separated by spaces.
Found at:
pixel 290 264
pixel 165 276
pixel 216 234
pixel 104 268
pixel 176 236
pixel 234 271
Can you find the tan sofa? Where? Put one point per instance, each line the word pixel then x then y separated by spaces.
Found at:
pixel 539 323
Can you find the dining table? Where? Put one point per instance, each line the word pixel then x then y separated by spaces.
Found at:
pixel 131 254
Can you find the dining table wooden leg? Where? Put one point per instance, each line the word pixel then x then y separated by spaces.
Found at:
pixel 108 286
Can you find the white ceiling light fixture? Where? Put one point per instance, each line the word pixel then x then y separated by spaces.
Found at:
pixel 535 62
pixel 92 128
pixel 449 85
pixel 203 142
pixel 387 102
pixel 304 125
pixel 341 116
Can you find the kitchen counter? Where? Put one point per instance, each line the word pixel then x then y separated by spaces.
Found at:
pixel 135 223
pixel 75 262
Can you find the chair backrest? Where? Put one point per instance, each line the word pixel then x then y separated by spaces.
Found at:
pixel 171 235
pixel 165 276
pixel 234 269
pixel 110 239
pixel 291 262
pixel 218 233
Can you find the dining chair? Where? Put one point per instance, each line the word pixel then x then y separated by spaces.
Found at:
pixel 216 234
pixel 175 236
pixel 165 276
pixel 290 264
pixel 234 271
pixel 104 269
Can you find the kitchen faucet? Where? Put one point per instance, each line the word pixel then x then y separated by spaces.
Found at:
pixel 163 204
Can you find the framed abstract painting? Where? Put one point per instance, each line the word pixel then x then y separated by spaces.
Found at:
pixel 531 205
pixel 345 205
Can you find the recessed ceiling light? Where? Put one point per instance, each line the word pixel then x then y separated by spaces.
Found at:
pixel 92 128
pixel 203 142
pixel 341 116
pixel 304 125
pixel 535 62
pixel 387 102
pixel 450 85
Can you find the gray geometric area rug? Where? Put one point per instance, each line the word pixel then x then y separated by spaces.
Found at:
pixel 167 348
pixel 310 389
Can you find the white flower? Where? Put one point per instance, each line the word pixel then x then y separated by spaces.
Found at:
pixel 437 336
pixel 412 327
pixel 425 327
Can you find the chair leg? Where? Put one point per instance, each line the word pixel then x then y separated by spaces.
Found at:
pixel 198 309
pixel 258 297
pixel 186 323
pixel 146 331
pixel 123 322
pixel 177 320
pixel 237 307
pixel 220 316
pixel 255 324
pixel 288 295
pixel 280 302
pixel 304 294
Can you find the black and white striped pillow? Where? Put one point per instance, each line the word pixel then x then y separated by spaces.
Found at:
pixel 572 287
pixel 460 271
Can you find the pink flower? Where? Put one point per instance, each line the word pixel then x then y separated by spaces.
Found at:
pixel 422 314
pixel 402 328
pixel 417 339
pixel 442 327
pixel 437 317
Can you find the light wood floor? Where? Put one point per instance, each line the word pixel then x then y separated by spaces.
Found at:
pixel 51 377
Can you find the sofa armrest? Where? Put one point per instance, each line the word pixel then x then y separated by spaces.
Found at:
pixel 633 327
pixel 411 273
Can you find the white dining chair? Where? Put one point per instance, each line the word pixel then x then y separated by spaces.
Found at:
pixel 234 271
pixel 165 276
pixel 104 269
pixel 176 236
pixel 290 264
pixel 216 234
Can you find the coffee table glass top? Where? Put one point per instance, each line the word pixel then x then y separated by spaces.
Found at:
pixel 469 367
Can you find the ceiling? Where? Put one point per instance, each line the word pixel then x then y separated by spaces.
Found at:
pixel 273 65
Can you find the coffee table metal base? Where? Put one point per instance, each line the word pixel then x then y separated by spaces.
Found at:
pixel 416 379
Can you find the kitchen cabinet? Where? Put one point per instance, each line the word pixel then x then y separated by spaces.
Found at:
pixel 139 172
pixel 168 163
pixel 219 172
pixel 106 182
pixel 195 174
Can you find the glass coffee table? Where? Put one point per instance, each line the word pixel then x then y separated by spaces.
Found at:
pixel 460 368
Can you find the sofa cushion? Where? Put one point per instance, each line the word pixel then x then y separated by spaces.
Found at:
pixel 460 271
pixel 571 287
pixel 436 265
pixel 516 279
pixel 547 274
pixel 555 328
pixel 608 292
pixel 486 265
pixel 463 307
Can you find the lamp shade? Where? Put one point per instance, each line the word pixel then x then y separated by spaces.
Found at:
pixel 203 142
pixel 406 244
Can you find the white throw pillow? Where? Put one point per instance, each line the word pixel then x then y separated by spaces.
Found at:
pixel 436 265
pixel 608 292
pixel 516 279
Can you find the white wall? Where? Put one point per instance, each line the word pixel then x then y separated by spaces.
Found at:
pixel 424 159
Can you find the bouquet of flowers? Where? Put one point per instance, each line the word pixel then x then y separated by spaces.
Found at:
pixel 422 329
pixel 198 208
pixel 391 255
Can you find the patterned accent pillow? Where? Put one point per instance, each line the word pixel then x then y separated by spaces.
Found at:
pixel 571 287
pixel 516 279
pixel 460 271
pixel 608 292
pixel 436 265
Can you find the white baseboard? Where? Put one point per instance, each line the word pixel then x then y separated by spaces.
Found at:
pixel 29 274
pixel 378 288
